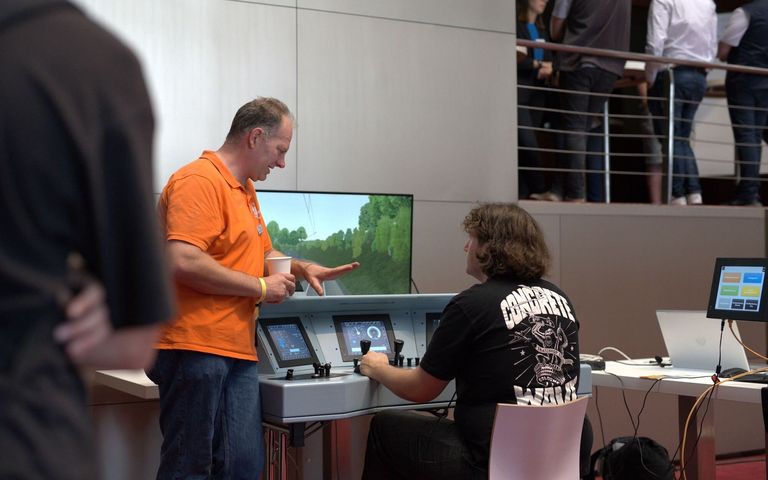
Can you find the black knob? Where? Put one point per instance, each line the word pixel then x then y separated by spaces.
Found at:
pixel 398 347
pixel 417 361
pixel 316 366
pixel 356 362
pixel 400 360
pixel 327 368
pixel 365 345
pixel 410 361
pixel 289 374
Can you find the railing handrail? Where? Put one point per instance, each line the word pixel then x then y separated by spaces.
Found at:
pixel 640 57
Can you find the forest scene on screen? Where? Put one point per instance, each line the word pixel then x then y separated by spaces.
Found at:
pixel 381 242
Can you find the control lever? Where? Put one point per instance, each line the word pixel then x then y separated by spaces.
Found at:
pixel 365 345
pixel 317 367
pixel 327 368
pixel 289 374
pixel 398 349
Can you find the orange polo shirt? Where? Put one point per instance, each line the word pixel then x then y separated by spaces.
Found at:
pixel 204 205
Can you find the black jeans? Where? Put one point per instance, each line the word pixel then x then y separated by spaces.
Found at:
pixel 408 445
pixel 583 97
pixel 745 105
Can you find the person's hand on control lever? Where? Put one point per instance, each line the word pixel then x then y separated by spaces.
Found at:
pixel 372 362
pixel 279 287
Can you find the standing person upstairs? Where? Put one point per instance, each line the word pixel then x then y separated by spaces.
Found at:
pixel 533 70
pixel 744 43
pixel 681 29
pixel 206 369
pixel 586 79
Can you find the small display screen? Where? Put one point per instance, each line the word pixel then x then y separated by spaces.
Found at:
pixel 738 289
pixel 350 329
pixel 288 340
pixel 433 320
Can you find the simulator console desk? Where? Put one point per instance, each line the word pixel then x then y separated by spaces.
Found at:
pixel 307 350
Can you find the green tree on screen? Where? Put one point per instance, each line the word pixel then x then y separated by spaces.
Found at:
pixel 381 242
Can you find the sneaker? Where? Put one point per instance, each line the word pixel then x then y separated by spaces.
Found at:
pixel 745 203
pixel 545 196
pixel 694 198
pixel 679 201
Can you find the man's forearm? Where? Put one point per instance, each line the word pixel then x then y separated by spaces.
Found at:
pixel 197 270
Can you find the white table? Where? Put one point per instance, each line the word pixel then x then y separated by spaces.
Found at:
pixel 687 384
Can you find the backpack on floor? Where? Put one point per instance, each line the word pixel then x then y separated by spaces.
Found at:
pixel 632 458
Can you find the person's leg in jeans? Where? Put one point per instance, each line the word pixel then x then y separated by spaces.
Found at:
pixel 407 445
pixel 659 109
pixel 595 162
pixel 602 84
pixel 745 109
pixel 530 181
pixel 239 444
pixel 575 100
pixel 690 86
pixel 190 385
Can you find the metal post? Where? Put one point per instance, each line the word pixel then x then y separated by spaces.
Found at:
pixel 670 134
pixel 606 153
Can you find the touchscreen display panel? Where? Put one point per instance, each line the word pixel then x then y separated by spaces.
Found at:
pixel 350 329
pixel 289 342
pixel 738 289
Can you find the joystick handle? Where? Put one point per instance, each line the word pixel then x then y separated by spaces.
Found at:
pixel 365 345
pixel 398 349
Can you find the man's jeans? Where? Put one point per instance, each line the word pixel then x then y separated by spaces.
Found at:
pixel 210 416
pixel 745 106
pixel 690 86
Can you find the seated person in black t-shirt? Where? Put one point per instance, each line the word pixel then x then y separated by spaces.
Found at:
pixel 511 338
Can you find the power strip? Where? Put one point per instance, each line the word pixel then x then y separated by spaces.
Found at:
pixel 595 361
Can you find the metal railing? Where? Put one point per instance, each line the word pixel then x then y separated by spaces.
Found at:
pixel 613 162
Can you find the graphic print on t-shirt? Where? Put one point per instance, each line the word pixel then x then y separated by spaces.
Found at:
pixel 543 335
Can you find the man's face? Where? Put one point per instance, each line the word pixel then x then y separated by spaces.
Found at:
pixel 269 149
pixel 473 266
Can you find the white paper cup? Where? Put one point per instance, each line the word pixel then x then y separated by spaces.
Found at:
pixel 279 265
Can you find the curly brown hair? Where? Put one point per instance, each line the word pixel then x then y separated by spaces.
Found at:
pixel 511 240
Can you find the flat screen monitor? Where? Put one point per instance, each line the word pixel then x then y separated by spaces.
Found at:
pixel 739 290
pixel 433 320
pixel 289 341
pixel 350 329
pixel 333 228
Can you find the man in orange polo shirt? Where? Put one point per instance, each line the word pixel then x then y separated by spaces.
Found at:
pixel 206 370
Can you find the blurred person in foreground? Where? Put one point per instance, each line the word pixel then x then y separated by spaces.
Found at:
pixel 82 276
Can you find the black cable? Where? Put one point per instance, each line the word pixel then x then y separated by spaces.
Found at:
pixel 414 286
pixel 642 406
pixel 701 429
pixel 720 349
pixel 624 398
pixel 599 416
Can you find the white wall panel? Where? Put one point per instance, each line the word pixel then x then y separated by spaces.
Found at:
pixel 203 60
pixel 497 15
pixel 405 107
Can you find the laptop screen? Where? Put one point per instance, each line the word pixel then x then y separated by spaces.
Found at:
pixel 739 290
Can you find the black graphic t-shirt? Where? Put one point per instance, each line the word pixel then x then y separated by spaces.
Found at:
pixel 504 341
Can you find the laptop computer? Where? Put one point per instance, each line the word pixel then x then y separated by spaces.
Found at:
pixel 693 341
